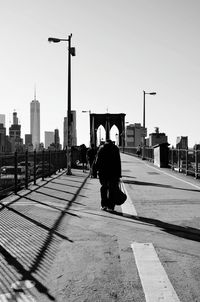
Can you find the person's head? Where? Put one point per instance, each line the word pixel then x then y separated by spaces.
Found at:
pixel 108 141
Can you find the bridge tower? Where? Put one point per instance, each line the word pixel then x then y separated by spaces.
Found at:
pixel 107 120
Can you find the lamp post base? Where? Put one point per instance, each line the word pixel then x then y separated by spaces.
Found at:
pixel 143 152
pixel 69 172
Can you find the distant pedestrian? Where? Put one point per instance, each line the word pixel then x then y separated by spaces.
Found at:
pixel 108 165
pixel 138 151
pixel 91 155
pixel 83 157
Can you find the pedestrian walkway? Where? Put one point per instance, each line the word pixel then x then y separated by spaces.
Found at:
pixel 57 245
pixel 167 195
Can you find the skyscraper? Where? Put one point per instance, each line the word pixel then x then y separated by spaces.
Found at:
pixel 3 119
pixel 2 138
pixel 28 142
pixel 15 128
pixel 57 139
pixel 73 130
pixel 48 138
pixel 15 135
pixel 35 122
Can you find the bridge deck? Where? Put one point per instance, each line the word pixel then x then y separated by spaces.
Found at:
pixel 166 194
pixel 55 238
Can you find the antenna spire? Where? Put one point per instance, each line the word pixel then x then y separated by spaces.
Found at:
pixel 35 92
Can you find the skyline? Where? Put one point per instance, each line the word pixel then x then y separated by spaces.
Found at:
pixel 122 48
pixel 50 135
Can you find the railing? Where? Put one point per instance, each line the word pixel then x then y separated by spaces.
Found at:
pixel 128 150
pixel 148 152
pixel 186 161
pixel 19 169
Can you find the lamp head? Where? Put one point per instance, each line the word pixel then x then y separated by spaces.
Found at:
pixel 152 93
pixel 54 40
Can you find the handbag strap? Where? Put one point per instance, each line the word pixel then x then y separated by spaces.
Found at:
pixel 121 185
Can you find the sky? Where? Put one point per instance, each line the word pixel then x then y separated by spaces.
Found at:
pixel 123 47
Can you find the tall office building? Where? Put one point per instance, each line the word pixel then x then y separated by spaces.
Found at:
pixel 2 133
pixel 56 137
pixel 73 130
pixel 157 138
pixel 133 136
pixel 3 119
pixel 35 122
pixel 15 135
pixel 28 139
pixel 181 142
pixel 15 128
pixel 2 138
pixel 28 142
pixel 48 138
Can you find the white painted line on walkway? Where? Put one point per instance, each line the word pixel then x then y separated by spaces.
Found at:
pixel 18 297
pixel 187 182
pixel 155 282
pixel 128 207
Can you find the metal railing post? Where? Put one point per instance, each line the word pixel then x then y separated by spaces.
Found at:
pixel 26 169
pixel 43 164
pixel 15 176
pixel 34 172
pixel 49 162
pixel 196 163
pixel 56 161
pixel 179 160
pixel 59 154
pixel 186 160
pixel 172 158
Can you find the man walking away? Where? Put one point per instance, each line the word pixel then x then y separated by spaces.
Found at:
pixel 138 151
pixel 108 165
pixel 83 156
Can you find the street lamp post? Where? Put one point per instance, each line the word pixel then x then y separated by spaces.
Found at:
pixel 144 134
pixel 71 52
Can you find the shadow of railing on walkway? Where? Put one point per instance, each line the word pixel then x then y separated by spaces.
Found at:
pixel 59 190
pixel 54 196
pixel 153 184
pixel 68 185
pixel 29 242
pixel 177 230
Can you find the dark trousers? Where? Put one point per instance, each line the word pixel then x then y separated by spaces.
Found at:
pixel 108 192
pixel 93 171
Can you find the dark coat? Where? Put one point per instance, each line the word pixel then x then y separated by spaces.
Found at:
pixel 91 154
pixel 83 154
pixel 108 162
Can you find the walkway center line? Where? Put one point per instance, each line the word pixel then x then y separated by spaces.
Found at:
pixel 128 207
pixel 155 282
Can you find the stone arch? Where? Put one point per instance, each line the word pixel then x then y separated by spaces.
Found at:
pixel 107 120
pixel 114 134
pixel 101 134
